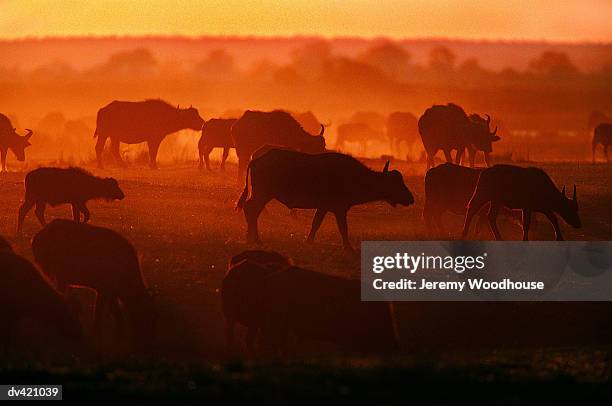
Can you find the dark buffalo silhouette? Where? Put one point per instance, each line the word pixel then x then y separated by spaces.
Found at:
pixel 9 139
pixel 527 189
pixel 216 133
pixel 359 133
pixel 241 292
pixel 77 254
pixel 147 121
pixel 402 127
pixel 329 182
pixel 309 122
pixel 448 128
pixel 287 300
pixel 597 117
pixel 448 188
pixel 56 186
pixel 256 129
pixel 602 135
pixel 26 294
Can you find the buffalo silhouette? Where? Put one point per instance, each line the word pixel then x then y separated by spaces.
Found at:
pixel 602 135
pixel 216 133
pixel 9 139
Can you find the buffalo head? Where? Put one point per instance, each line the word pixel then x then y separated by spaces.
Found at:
pixel 569 210
pixel 111 189
pixel 18 143
pixel 481 135
pixel 314 144
pixel 394 188
pixel 190 118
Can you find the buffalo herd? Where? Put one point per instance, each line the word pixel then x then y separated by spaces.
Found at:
pixel 280 157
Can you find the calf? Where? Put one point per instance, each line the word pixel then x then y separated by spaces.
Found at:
pixel 216 133
pixel 55 186
pixel 241 291
pixel 26 294
pixel 527 189
pixel 602 135
pixel 77 254
pixel 328 182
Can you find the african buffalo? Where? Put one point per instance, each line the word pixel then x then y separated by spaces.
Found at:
pixel 527 189
pixel 9 139
pixel 278 302
pixel 448 128
pixel 602 135
pixel 256 129
pixel 359 133
pixel 26 294
pixel 329 182
pixel 216 133
pixel 402 127
pixel 309 121
pixel 145 121
pixel 77 254
pixel 55 186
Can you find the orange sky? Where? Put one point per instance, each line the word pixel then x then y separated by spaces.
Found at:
pixel 554 20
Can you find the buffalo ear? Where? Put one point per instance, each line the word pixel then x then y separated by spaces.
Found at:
pixel 386 168
pixel 563 191
pixel 495 138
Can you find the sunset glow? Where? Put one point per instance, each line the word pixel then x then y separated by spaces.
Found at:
pixel 491 19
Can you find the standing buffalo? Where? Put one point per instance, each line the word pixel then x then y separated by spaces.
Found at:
pixel 9 139
pixel 136 122
pixel 279 300
pixel 76 254
pixel 329 182
pixel 602 135
pixel 448 128
pixel 55 186
pixel 527 189
pixel 26 294
pixel 256 129
pixel 359 133
pixel 402 127
pixel 216 133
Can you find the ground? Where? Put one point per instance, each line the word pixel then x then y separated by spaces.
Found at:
pixel 183 223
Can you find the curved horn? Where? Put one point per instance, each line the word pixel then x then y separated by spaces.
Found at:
pixel 574 197
pixel 322 130
pixel 386 168
pixel 488 119
pixel 563 191
pixel 28 135
pixel 494 131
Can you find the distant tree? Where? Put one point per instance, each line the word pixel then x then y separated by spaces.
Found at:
pixel 442 59
pixel 389 57
pixel 217 64
pixel 553 64
pixel 135 62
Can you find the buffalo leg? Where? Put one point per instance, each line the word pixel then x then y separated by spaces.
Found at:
pixel 153 148
pixel 343 228
pixel 605 151
pixel 316 223
pixel 40 213
pixel 555 223
pixel 242 166
pixel 472 157
pixel 474 207
pixel 459 156
pixel 205 153
pixel 115 149
pixel 252 210
pixel 431 155
pixel 76 214
pixel 83 209
pixel 493 211
pixel 23 211
pixel 3 158
pixel 526 224
pixel 448 156
pixel 100 150
pixel 226 151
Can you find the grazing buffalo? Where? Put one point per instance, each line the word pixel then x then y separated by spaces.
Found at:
pixel 242 290
pixel 9 139
pixel 448 128
pixel 359 133
pixel 147 121
pixel 527 189
pixel 216 133
pixel 402 127
pixel 448 188
pixel 55 186
pixel 26 294
pixel 278 302
pixel 256 128
pixel 76 254
pixel 602 135
pixel 329 182
pixel 309 121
